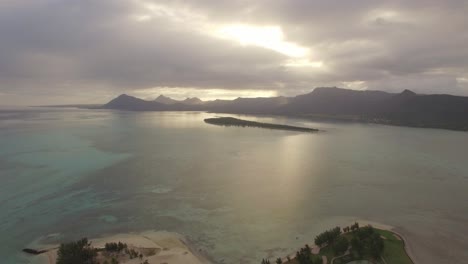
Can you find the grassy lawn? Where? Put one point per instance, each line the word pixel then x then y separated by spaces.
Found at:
pixel 394 249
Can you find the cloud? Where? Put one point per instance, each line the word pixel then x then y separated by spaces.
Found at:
pixel 82 51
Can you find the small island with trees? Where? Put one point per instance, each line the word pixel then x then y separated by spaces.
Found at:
pixel 231 121
pixel 351 245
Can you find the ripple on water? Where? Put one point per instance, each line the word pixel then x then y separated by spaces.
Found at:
pixel 161 189
pixel 108 219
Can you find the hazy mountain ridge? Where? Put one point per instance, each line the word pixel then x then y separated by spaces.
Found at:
pixel 406 108
pixel 187 101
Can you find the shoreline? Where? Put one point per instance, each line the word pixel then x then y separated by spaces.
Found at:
pixel 167 247
pixel 174 248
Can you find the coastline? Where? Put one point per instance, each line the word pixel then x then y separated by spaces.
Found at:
pixel 167 247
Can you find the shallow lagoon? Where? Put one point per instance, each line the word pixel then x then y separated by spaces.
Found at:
pixel 240 194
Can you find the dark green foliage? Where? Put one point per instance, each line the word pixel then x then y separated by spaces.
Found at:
pixel 328 237
pixel 265 261
pixel 79 252
pixel 357 246
pixel 115 247
pixel 364 232
pixel 114 261
pixel 340 246
pixel 376 245
pixel 355 226
pixel 279 261
pixel 304 256
pixel 367 241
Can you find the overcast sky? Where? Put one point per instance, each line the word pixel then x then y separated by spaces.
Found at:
pixel 88 51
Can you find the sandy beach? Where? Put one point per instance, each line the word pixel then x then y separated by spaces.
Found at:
pixel 157 247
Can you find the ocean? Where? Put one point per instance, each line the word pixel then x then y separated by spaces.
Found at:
pixel 238 194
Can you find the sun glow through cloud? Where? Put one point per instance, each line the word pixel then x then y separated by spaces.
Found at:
pixel 304 63
pixel 269 37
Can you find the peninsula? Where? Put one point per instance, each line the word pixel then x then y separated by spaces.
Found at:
pixel 352 244
pixel 231 121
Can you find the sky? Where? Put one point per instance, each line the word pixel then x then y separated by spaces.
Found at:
pixel 85 51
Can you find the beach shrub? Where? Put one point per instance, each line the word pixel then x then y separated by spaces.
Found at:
pixel 304 256
pixel 328 237
pixel 115 247
pixel 78 252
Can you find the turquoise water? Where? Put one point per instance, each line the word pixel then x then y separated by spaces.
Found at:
pixel 240 194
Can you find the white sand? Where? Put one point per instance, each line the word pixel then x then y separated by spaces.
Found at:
pixel 166 247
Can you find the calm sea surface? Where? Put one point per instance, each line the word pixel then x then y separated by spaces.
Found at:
pixel 240 194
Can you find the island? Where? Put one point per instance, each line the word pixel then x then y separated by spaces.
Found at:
pixel 231 121
pixel 352 244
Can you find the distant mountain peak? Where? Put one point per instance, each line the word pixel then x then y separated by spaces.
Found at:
pixel 407 92
pixel 165 100
pixel 405 95
pixel 192 101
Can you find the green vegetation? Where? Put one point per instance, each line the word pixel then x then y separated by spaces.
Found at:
pixel 327 237
pixel 355 243
pixel 115 247
pixel 340 246
pixel 231 121
pixel 367 242
pixel 304 256
pixel 79 252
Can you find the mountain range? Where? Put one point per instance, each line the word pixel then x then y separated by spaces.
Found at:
pixel 406 108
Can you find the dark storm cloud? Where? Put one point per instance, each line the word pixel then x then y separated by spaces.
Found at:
pixel 86 50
